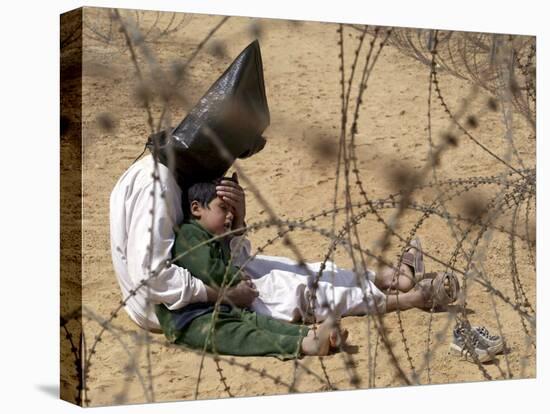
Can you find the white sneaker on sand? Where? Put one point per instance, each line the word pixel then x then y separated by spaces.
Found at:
pixel 467 344
pixel 495 344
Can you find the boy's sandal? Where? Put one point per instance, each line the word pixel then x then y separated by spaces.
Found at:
pixel 415 259
pixel 439 289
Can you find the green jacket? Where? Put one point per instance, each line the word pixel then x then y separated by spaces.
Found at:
pixel 209 262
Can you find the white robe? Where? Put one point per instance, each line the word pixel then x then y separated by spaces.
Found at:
pixel 285 288
pixel 282 284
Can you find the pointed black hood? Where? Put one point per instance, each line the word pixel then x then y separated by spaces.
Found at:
pixel 227 123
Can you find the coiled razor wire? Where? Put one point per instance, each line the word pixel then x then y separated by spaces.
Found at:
pixel 503 65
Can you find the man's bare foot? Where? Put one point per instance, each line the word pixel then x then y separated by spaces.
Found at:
pixel 410 271
pixel 438 290
pixel 393 283
pixel 422 295
pixel 435 291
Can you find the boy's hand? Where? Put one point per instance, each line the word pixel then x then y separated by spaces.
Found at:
pixel 241 295
pixel 244 275
pixel 233 194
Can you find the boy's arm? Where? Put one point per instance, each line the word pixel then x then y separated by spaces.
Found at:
pixel 201 259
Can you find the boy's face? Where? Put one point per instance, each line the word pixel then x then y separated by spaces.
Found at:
pixel 216 218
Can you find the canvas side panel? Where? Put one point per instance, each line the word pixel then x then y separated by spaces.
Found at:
pixel 71 206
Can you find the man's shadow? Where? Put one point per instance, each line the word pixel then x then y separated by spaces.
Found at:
pixel 454 309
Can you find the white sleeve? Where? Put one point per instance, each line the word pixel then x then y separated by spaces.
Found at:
pixel 174 286
pixel 240 250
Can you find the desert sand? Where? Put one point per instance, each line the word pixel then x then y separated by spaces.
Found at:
pixel 296 173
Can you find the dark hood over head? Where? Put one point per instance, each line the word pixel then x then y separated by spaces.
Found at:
pixel 227 123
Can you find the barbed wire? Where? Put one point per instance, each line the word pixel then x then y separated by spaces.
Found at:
pixel 504 66
pixel 102 25
pixel 472 56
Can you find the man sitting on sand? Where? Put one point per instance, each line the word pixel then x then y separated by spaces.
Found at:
pixel 145 208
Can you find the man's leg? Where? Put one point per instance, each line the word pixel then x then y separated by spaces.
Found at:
pixel 403 301
pixel 388 279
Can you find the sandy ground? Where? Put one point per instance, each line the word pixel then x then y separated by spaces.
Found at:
pixel 297 180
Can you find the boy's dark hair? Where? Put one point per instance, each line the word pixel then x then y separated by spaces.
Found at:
pixel 203 192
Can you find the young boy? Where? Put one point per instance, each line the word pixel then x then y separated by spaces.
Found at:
pixel 235 331
pixel 284 292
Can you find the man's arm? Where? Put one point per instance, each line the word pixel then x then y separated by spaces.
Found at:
pixel 233 194
pixel 173 285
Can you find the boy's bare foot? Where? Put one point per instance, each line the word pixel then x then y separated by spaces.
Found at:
pixel 327 336
pixel 338 338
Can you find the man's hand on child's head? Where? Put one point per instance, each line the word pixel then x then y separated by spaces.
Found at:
pixel 233 194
